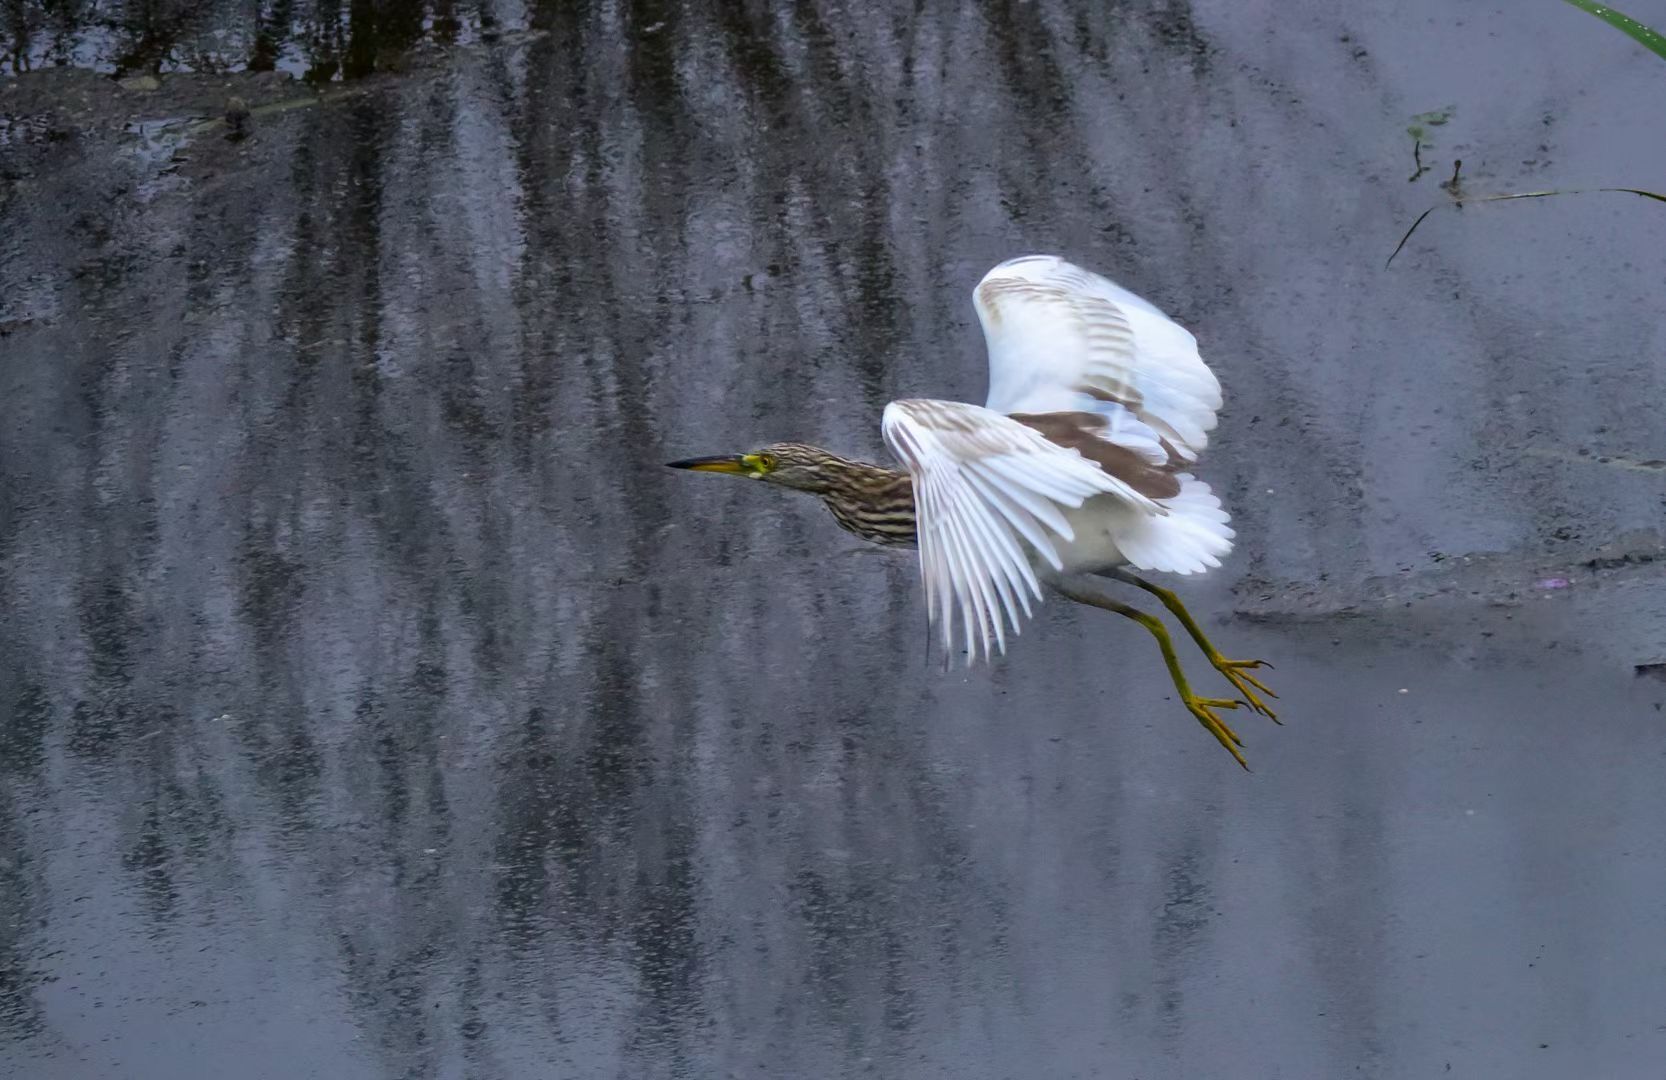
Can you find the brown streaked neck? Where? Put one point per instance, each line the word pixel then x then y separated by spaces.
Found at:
pixel 872 501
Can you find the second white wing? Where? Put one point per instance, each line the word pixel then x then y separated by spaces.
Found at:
pixel 1063 338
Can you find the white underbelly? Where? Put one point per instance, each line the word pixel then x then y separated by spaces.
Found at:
pixel 1095 525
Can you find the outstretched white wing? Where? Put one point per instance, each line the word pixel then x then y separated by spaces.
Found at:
pixel 1062 338
pixel 985 488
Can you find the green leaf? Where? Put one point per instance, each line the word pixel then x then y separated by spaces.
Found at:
pixel 1650 39
pixel 1655 195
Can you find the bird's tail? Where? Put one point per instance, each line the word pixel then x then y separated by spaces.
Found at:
pixel 1190 539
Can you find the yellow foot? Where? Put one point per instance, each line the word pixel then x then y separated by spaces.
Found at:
pixel 1204 709
pixel 1237 673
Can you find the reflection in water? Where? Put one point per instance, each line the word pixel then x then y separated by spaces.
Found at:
pixel 318 39
pixel 370 694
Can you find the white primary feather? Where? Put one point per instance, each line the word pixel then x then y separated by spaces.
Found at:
pixel 985 486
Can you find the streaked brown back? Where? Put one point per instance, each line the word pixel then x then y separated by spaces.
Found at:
pixel 1081 431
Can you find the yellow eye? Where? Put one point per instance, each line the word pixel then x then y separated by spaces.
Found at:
pixel 766 461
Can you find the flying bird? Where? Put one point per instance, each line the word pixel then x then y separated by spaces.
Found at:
pixel 1078 463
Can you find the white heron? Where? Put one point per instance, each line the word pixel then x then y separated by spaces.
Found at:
pixel 1079 462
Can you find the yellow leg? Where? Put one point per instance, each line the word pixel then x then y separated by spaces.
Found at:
pixel 1202 708
pixel 1236 671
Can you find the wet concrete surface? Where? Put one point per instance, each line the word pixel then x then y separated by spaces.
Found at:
pixel 373 703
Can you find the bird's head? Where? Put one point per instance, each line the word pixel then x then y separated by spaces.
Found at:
pixel 793 465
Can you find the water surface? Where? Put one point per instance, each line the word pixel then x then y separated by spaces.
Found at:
pixel 373 703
